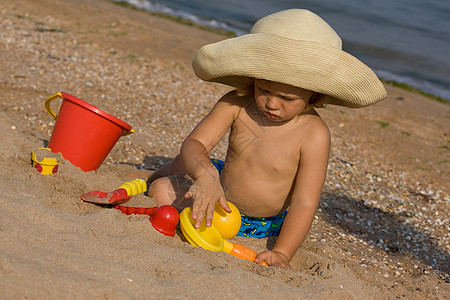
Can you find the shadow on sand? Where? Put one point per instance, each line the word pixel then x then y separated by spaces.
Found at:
pixel 372 224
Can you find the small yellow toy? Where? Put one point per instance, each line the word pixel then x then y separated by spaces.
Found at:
pixel 228 224
pixel 209 238
pixel 45 161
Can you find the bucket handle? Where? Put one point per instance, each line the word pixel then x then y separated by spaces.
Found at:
pixel 54 115
pixel 127 132
pixel 47 104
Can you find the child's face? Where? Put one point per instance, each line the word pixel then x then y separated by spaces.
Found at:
pixel 280 102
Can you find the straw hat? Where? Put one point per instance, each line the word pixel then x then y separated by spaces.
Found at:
pixel 294 47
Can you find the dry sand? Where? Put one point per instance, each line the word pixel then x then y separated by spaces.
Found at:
pixel 381 231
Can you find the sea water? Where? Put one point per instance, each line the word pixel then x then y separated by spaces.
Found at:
pixel 406 41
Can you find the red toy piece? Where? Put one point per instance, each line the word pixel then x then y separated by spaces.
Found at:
pixel 165 220
pixel 128 210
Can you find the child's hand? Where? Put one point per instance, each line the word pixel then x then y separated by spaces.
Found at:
pixel 273 258
pixel 206 191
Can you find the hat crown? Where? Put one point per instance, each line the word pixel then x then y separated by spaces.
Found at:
pixel 298 24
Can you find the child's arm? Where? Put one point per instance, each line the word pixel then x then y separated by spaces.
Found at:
pixel 207 190
pixel 304 201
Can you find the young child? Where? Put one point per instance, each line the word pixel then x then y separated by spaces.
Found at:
pixel 279 146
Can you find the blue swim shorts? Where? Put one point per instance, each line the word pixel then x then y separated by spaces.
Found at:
pixel 218 164
pixel 261 227
pixel 256 227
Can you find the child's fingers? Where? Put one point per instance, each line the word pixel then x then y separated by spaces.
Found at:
pixel 196 206
pixel 199 217
pixel 198 221
pixel 263 256
pixel 273 259
pixel 209 214
pixel 198 210
pixel 202 210
pixel 191 193
pixel 224 204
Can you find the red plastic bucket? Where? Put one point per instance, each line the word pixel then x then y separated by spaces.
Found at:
pixel 84 134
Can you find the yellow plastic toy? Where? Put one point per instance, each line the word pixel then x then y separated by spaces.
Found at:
pixel 121 195
pixel 134 187
pixel 209 238
pixel 228 224
pixel 206 237
pixel 45 161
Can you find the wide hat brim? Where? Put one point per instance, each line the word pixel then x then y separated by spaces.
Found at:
pixel 341 77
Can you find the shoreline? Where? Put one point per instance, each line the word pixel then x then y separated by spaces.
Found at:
pixel 409 88
pixel 228 34
pixel 380 232
pixel 176 19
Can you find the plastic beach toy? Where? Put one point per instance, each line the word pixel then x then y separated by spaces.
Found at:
pixel 165 220
pixel 209 238
pixel 130 210
pixel 83 133
pixel 206 237
pixel 228 224
pixel 121 195
pixel 45 161
pixel 241 251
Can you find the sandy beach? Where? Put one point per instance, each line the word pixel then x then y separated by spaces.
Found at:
pixel 381 230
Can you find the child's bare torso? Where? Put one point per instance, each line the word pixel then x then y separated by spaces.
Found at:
pixel 262 161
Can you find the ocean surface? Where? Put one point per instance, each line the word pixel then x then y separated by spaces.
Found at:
pixel 403 40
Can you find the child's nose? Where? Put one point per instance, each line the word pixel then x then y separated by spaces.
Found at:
pixel 273 103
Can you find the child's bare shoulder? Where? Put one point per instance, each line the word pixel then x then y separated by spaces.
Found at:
pixel 233 99
pixel 317 130
pixel 227 108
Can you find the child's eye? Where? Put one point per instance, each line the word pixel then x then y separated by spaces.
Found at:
pixel 286 98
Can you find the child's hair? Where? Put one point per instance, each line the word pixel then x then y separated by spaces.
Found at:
pixel 316 101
